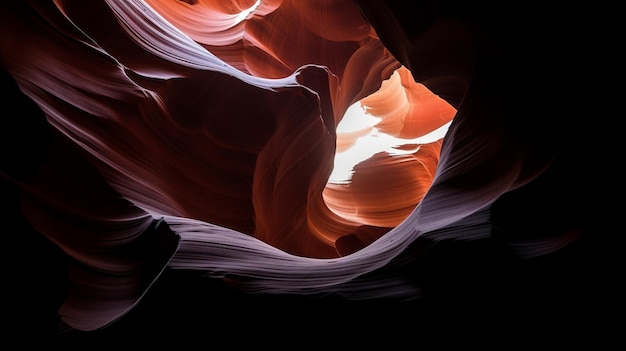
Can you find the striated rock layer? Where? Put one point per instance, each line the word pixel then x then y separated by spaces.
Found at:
pixel 204 136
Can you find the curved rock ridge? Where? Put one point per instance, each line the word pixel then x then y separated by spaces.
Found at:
pixel 283 146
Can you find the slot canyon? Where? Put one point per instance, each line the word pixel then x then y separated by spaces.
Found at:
pixel 207 166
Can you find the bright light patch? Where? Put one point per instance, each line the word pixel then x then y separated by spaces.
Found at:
pixel 245 13
pixel 360 125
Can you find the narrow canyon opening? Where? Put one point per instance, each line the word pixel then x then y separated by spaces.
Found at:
pixel 388 147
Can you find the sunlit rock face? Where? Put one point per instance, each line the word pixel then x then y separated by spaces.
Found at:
pixel 302 146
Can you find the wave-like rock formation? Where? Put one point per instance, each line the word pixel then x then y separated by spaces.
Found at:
pixel 283 146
